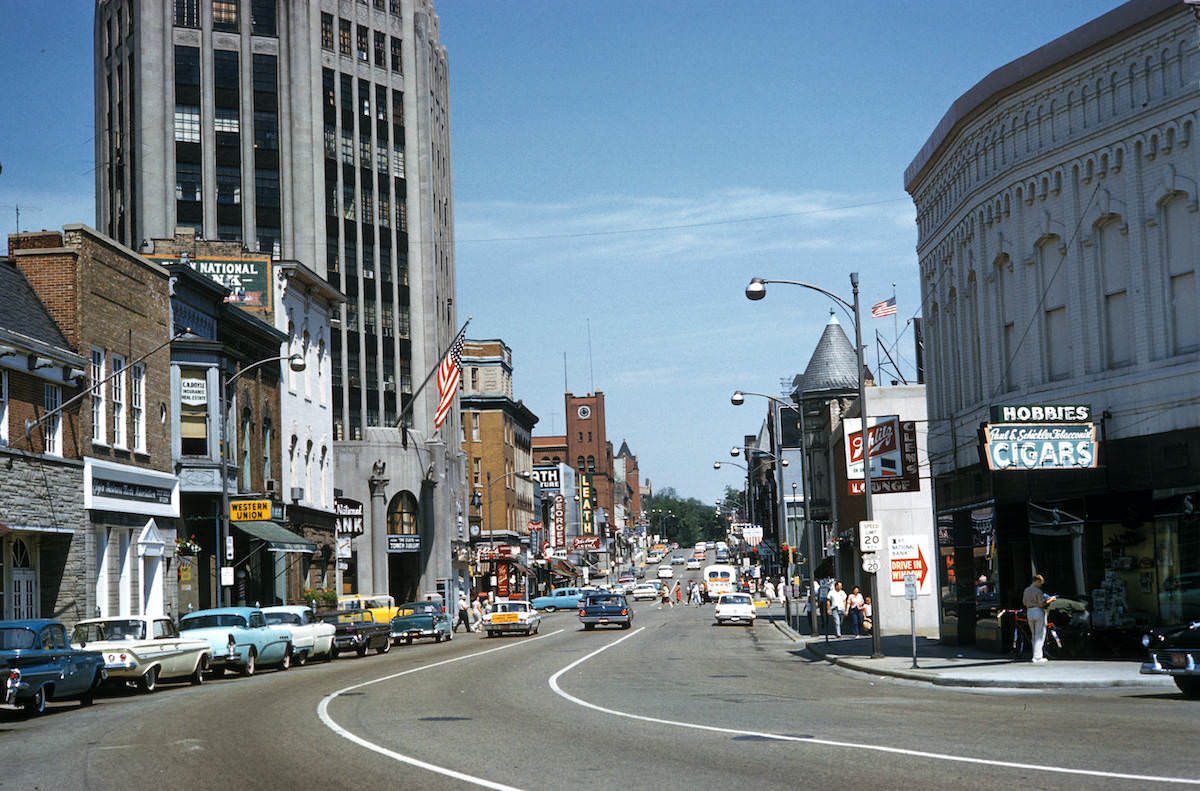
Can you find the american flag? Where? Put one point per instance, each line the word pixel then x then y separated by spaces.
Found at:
pixel 447 381
pixel 885 308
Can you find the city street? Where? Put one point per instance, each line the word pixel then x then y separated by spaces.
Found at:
pixel 673 703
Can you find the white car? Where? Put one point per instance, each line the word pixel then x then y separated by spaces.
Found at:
pixel 694 563
pixel 511 616
pixel 311 637
pixel 143 649
pixel 645 591
pixel 735 607
pixel 665 572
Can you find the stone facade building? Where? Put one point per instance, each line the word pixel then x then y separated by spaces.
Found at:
pixel 1057 236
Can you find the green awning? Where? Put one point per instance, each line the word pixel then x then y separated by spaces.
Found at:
pixel 278 537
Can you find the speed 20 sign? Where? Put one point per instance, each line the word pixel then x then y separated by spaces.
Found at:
pixel 870 536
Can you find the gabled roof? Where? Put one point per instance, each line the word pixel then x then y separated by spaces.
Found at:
pixel 22 311
pixel 624 451
pixel 833 366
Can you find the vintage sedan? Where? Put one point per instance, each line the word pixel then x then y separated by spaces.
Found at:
pixel 735 607
pixel 40 664
pixel 511 616
pixel 143 649
pixel 240 639
pixel 311 637
pixel 605 609
pixel 358 631
pixel 1175 652
pixel 422 619
pixel 559 599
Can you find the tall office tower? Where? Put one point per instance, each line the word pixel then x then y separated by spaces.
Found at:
pixel 318 131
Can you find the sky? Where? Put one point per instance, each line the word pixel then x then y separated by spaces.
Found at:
pixel 621 170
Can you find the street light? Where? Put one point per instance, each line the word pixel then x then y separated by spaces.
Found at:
pixel 296 363
pixel 756 290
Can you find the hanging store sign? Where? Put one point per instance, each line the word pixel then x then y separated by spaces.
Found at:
pixel 250 511
pixel 247 276
pixel 892 451
pixel 349 516
pixel 559 521
pixel 193 391
pixel 1040 446
pixel 587 505
pixel 548 477
pixel 1042 413
pixel 403 542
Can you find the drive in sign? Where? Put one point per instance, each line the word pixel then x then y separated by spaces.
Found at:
pixel 907 555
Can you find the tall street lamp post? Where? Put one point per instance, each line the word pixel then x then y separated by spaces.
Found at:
pixel 737 399
pixel 756 290
pixel 296 363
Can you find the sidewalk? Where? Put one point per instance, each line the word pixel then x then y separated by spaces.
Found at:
pixel 965 666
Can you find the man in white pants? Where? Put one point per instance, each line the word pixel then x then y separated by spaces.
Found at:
pixel 1035 602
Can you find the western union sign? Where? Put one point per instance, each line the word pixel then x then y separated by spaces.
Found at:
pixel 250 511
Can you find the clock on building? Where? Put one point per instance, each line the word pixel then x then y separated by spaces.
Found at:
pixel 474 530
pixel 585 412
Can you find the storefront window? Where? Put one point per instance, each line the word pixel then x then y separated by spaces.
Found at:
pixel 193 412
pixel 1177 540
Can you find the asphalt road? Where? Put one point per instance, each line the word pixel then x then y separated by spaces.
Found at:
pixel 673 703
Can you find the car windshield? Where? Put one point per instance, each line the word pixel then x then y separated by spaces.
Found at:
pixel 116 629
pixel 283 618
pixel 210 621
pixel 14 637
pixel 418 608
pixel 511 606
pixel 734 600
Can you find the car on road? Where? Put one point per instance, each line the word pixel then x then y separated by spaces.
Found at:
pixel 693 563
pixel 143 650
pixel 511 616
pixel 39 664
pixel 604 609
pixel 645 590
pixel 1174 652
pixel 240 639
pixel 311 637
pixel 559 599
pixel 418 619
pixel 677 559
pixel 381 605
pixel 735 607
pixel 665 572
pixel 359 631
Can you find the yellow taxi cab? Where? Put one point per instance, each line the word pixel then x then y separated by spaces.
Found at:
pixel 381 605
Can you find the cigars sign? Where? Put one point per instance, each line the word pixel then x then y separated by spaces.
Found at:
pixel 1040 437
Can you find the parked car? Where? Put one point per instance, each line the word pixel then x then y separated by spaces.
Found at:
pixel 422 619
pixel 558 599
pixel 511 616
pixel 40 664
pixel 240 639
pixel 311 637
pixel 601 609
pixel 143 650
pixel 735 607
pixel 1175 652
pixel 645 591
pixel 382 605
pixel 359 631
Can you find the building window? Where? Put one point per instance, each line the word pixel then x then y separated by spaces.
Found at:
pixel 229 185
pixel 193 412
pixel 3 407
pixel 97 372
pixel 187 124
pixel 1056 327
pixel 225 15
pixel 321 371
pixel 52 425
pixel 475 426
pixel 244 466
pixel 347 148
pixel 266 130
pixel 580 464
pixel 187 181
pixel 1183 286
pixel 267 436
pixel 117 393
pixel 348 202
pixel 327 31
pixel 137 406
pixel 227 125
pixel 368 214
pixel 362 42
pixel 187 13
pixel 1113 249
pixel 344 36
pixel 476 465
pixel 395 54
pixel 380 38
pixel 591 464
pixel 266 187
pixel 262 17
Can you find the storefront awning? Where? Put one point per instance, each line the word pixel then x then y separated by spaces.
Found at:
pixel 563 567
pixel 278 537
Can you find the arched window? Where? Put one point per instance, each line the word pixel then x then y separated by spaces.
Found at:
pixel 308 476
pixel 580 464
pixel 591 463
pixel 246 447
pixel 308 366
pixel 291 375
pixel 320 371
pixel 324 499
pixel 267 436
pixel 402 515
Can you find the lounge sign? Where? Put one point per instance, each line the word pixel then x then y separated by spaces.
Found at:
pixel 1041 437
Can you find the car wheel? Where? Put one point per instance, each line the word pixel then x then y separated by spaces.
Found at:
pixel 333 652
pixel 537 626
pixel 589 626
pixel 361 650
pixel 198 674
pixel 286 662
pixel 148 681
pixel 387 646
pixel 37 703
pixel 551 608
pixel 251 664
pixel 627 624
pixel 1189 686
pixel 89 697
pixel 301 659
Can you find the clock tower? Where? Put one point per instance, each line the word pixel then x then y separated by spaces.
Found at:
pixel 588 448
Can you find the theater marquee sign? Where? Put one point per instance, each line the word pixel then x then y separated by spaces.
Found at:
pixel 1040 437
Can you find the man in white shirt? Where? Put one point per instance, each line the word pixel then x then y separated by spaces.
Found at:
pixel 836 607
pixel 1035 602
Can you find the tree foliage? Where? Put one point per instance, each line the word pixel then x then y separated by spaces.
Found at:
pixel 684 521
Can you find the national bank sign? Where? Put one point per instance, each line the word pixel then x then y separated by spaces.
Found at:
pixel 1040 437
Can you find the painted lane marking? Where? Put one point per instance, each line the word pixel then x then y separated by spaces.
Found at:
pixel 848 745
pixel 323 713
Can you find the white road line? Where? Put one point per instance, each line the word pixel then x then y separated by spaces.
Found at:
pixel 323 713
pixel 848 745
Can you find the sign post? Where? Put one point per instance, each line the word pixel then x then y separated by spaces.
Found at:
pixel 910 593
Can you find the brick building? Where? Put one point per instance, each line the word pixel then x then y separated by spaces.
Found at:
pixel 112 308
pixel 588 448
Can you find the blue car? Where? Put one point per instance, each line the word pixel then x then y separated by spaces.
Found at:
pixel 39 664
pixel 560 599
pixel 240 637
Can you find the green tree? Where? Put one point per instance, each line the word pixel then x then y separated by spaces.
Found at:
pixel 684 521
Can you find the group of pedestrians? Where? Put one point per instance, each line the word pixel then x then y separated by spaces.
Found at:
pixel 840 608
pixel 470 614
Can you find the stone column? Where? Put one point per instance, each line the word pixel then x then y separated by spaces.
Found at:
pixel 379 565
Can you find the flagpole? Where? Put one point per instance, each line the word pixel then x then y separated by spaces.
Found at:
pixel 413 399
pixel 895 321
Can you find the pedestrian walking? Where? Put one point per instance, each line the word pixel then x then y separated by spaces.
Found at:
pixel 476 614
pixel 1035 601
pixel 678 592
pixel 464 613
pixel 854 608
pixel 697 596
pixel 823 589
pixel 769 591
pixel 836 607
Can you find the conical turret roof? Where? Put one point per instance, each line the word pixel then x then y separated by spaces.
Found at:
pixel 833 365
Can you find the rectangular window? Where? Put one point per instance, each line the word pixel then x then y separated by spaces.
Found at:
pixel 225 15
pixel 327 31
pixel 187 124
pixel 229 185
pixel 227 125
pixel 368 209
pixel 3 407
pixel 344 36
pixel 187 181
pixel 385 209
pixel 348 202
pixel 347 148
pixel 137 406
pixel 398 159
pixel 117 393
pixel 362 42
pixel 187 66
pixel 364 151
pixel 97 374
pixel 380 38
pixel 187 13
pixel 265 74
pixel 395 54
pixel 266 131
pixel 475 426
pixel 52 425
pixel 193 412
pixel 266 187
pixel 262 17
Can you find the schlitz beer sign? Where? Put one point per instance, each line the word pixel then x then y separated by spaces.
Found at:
pixel 892 451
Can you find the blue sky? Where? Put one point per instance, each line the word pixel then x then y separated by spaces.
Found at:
pixel 630 166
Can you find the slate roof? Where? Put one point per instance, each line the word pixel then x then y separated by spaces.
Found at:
pixel 833 366
pixel 22 312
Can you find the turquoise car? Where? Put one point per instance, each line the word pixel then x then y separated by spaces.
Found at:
pixel 421 619
pixel 240 637
pixel 560 599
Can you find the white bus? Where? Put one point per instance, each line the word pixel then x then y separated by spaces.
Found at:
pixel 717 579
